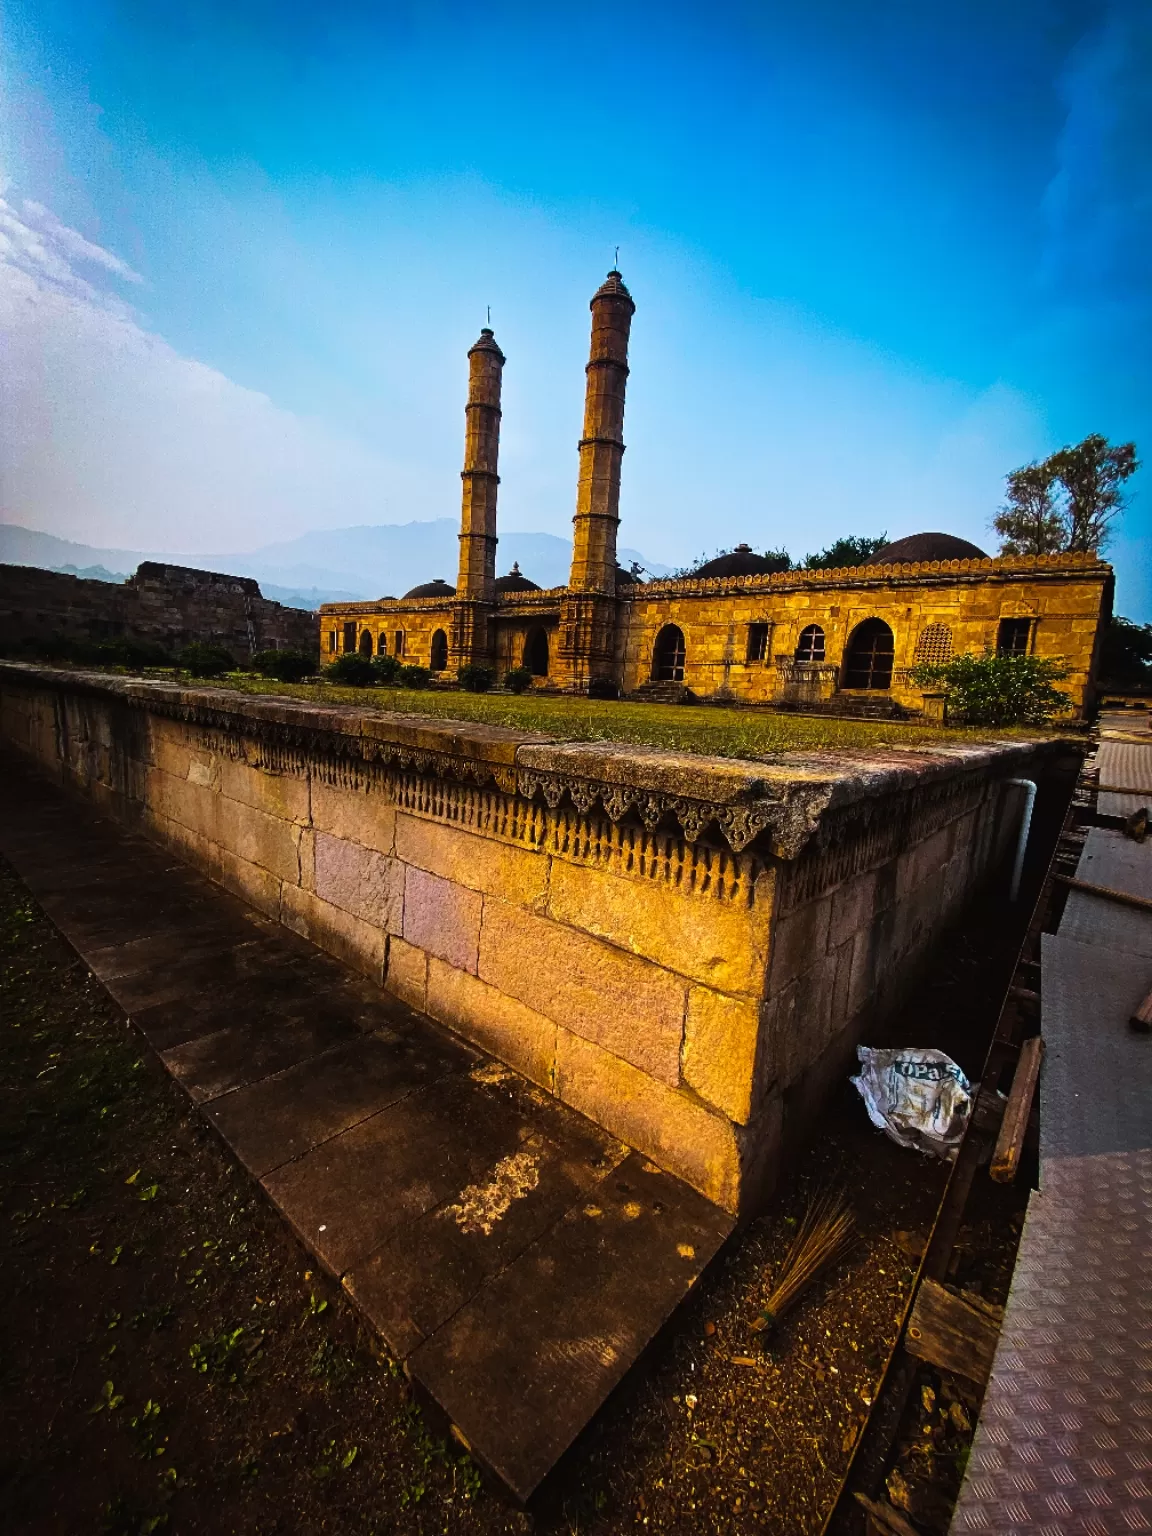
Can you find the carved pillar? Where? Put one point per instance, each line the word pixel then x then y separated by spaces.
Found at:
pixel 472 630
pixel 588 614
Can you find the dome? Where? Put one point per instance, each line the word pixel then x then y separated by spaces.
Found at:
pixel 486 343
pixel 926 546
pixel 742 561
pixel 432 589
pixel 613 288
pixel 515 582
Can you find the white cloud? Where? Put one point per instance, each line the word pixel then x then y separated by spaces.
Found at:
pixel 110 436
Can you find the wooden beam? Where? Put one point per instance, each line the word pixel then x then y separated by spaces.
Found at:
pixel 1010 1141
pixel 884 1519
pixel 1125 898
pixel 950 1333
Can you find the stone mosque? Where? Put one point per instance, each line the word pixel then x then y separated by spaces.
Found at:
pixel 733 631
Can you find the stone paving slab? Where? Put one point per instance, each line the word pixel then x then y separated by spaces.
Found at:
pixel 514 1254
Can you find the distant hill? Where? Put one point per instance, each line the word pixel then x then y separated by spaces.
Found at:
pixel 330 566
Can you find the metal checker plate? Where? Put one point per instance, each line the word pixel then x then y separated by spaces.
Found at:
pixel 1109 858
pixel 1124 762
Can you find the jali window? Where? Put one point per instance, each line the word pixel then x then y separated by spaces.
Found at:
pixel 933 645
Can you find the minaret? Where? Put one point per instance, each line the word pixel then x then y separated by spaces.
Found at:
pixel 602 446
pixel 475 584
pixel 588 610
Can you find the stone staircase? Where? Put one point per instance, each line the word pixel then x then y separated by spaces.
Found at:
pixel 662 693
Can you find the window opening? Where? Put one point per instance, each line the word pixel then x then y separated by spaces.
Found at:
pixel 810 646
pixel 759 639
pixel 1014 637
pixel 668 655
pixel 536 652
pixel 439 656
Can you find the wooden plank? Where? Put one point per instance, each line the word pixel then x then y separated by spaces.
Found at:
pixel 1142 1019
pixel 1125 898
pixel 883 1519
pixel 1010 1141
pixel 951 1334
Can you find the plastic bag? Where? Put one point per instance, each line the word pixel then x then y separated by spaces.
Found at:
pixel 918 1097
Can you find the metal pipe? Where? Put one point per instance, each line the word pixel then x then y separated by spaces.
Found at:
pixel 1022 841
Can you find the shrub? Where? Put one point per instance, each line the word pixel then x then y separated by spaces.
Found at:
pixel 353 670
pixel 476 679
pixel 518 679
pixel 603 688
pixel 385 668
pixel 413 677
pixel 998 690
pixel 206 660
pixel 284 666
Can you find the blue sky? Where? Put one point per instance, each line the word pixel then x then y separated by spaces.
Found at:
pixel 881 256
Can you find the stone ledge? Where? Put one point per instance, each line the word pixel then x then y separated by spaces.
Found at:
pixel 780 801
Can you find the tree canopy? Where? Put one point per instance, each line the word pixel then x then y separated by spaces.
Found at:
pixel 853 550
pixel 1067 501
pixel 1126 656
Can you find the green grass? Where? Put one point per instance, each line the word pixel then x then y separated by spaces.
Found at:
pixel 703 728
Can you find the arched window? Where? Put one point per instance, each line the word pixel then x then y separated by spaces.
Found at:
pixel 398 649
pixel 536 651
pixel 869 657
pixel 366 643
pixel 933 645
pixel 439 656
pixel 668 655
pixel 810 646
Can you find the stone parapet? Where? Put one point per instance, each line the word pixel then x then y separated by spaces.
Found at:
pixel 686 949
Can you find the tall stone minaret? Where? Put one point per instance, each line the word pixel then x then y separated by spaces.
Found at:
pixel 475 584
pixel 602 445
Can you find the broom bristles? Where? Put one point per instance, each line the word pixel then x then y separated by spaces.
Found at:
pixel 826 1231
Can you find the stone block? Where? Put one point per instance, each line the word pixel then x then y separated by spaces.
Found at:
pixel 192 805
pixel 278 794
pixel 356 943
pixel 442 918
pixel 722 1040
pixel 800 1018
pixel 517 875
pixel 853 907
pixel 499 1024
pixel 799 942
pixel 251 882
pixel 670 1126
pixel 361 881
pixel 627 1005
pixel 260 839
pixel 181 758
pixel 407 973
pixel 358 816
pixel 720 943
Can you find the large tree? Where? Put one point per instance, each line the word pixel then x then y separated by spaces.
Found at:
pixel 1067 501
pixel 853 550
pixel 1028 523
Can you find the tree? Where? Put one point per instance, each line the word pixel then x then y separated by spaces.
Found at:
pixel 854 550
pixel 1092 475
pixel 998 690
pixel 1126 656
pixel 1028 523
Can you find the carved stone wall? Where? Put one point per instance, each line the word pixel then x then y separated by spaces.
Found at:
pixel 683 949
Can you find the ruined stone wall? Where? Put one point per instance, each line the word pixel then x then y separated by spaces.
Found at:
pixel 683 949
pixel 170 606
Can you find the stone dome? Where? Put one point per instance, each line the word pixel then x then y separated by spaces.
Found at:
pixel 743 561
pixel 515 581
pixel 432 589
pixel 486 343
pixel 613 287
pixel 926 546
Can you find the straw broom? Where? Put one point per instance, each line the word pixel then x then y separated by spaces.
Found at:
pixel 827 1231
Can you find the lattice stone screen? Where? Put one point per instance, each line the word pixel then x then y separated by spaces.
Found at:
pixel 934 645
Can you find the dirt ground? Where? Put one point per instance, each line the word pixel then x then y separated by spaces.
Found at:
pixel 170 1362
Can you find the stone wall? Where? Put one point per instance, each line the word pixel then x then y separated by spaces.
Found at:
pixel 168 605
pixel 684 949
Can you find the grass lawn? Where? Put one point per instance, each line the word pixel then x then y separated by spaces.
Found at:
pixel 704 728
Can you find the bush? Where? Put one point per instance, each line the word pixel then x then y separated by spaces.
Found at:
pixel 385 668
pixel 476 679
pixel 206 660
pixel 352 670
pixel 998 690
pixel 284 666
pixel 518 679
pixel 99 653
pixel 603 688
pixel 413 677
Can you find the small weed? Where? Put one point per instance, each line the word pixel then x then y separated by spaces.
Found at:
pixel 219 1356
pixel 109 1400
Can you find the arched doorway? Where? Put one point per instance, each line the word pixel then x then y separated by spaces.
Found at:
pixel 366 643
pixel 536 652
pixel 439 656
pixel 668 655
pixel 869 657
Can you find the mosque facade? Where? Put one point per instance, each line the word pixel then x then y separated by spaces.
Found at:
pixel 840 640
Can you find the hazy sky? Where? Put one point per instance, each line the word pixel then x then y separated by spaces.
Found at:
pixel 880 254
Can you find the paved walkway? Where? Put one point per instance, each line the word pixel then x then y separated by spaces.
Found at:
pixel 512 1254
pixel 1064 1442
